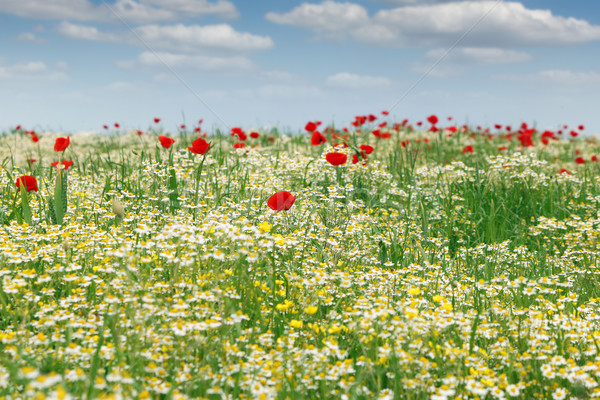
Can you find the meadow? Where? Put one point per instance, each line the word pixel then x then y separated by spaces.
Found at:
pixel 389 260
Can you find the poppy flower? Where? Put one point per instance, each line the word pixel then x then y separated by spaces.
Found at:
pixel 65 164
pixel 502 148
pixel 564 171
pixel 197 129
pixel 31 160
pixel 117 125
pixel 281 201
pixel 581 127
pixel 317 138
pixel 336 158
pixel 254 135
pixel 239 132
pixel 156 120
pixel 468 149
pixel 62 143
pixel 419 123
pixel 371 117
pixel 35 138
pixel 497 126
pixel 139 132
pixel 310 127
pixel 574 133
pixel 385 112
pixel 363 155
pixel 239 145
pixel 182 126
pixel 432 119
pixel 580 160
pixel 366 148
pixel 166 142
pixel 199 146
pixel 105 126
pixel 594 158
pixel 29 181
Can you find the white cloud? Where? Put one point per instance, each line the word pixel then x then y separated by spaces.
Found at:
pixel 354 81
pixel 197 7
pixel 556 77
pixel 507 24
pixel 197 62
pixel 483 55
pixel 289 92
pixel 83 32
pixel 133 11
pixel 190 38
pixel 28 37
pixel 29 71
pixel 328 19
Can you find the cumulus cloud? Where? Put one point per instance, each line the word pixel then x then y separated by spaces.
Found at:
pixel 345 80
pixel 196 62
pixel 30 71
pixel 556 77
pixel 83 32
pixel 506 24
pixel 328 19
pixel 133 11
pixel 482 55
pixel 189 38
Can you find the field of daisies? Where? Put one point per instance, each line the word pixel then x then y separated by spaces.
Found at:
pixel 385 260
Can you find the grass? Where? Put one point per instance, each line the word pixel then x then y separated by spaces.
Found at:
pixel 426 272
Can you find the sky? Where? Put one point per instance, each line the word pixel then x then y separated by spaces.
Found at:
pixel 75 65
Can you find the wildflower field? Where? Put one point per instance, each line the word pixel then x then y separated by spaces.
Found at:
pixel 385 261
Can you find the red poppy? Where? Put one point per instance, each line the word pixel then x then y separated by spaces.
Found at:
pixel 449 118
pixel 317 138
pixel 35 138
pixel 580 160
pixel 18 128
pixel 64 163
pixel 31 160
pixel 239 132
pixel 432 119
pixel 182 126
pixel 281 201
pixel 200 121
pixel 366 148
pixel 29 181
pixel 385 112
pixel 254 135
pixel 105 126
pixel 239 145
pixel 117 125
pixel 336 158
pixel 156 120
pixel 594 158
pixel 139 132
pixel 371 117
pixel 363 155
pixel 564 171
pixel 199 146
pixel 419 123
pixel 310 126
pixel 502 148
pixel 574 133
pixel 166 142
pixel 62 143
pixel 525 137
pixel 581 127
pixel 498 126
pixel 507 128
pixel 468 149
pixel 383 124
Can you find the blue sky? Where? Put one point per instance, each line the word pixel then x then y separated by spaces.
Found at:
pixel 75 65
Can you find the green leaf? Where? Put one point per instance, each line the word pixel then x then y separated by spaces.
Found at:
pixel 58 198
